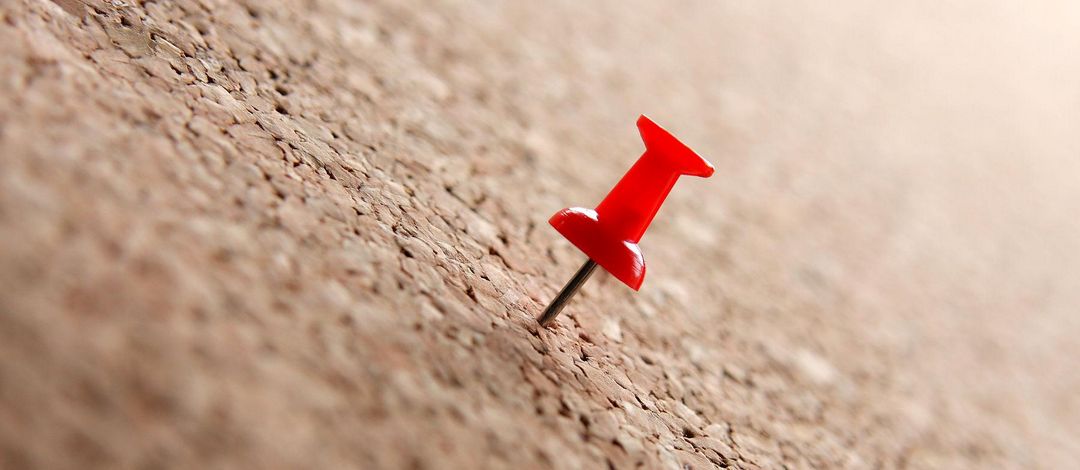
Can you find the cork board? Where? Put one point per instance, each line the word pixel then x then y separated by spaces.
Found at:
pixel 285 234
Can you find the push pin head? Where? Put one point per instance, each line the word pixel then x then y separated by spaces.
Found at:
pixel 609 234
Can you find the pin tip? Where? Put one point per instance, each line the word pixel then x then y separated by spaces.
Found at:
pixel 566 293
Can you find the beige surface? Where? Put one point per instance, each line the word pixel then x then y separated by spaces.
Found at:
pixel 312 235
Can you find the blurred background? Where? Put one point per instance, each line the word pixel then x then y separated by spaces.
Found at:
pixel 314 233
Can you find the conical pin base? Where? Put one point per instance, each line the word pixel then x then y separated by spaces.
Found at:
pixel 567 292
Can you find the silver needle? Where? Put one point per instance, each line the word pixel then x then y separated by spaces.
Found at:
pixel 567 292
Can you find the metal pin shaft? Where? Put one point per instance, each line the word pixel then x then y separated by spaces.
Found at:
pixel 567 292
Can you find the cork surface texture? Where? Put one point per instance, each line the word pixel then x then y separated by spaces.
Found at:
pixel 313 234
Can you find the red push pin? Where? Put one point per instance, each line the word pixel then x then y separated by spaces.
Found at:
pixel 609 235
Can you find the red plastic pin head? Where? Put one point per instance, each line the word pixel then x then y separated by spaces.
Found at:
pixel 609 234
